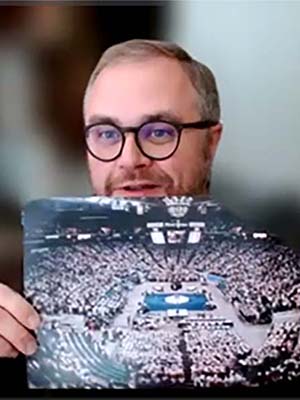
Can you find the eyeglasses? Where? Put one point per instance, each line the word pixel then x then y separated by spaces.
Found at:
pixel 157 140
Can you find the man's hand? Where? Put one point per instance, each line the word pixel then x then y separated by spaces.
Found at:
pixel 17 316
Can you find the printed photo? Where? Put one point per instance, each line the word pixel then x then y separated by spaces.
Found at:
pixel 158 292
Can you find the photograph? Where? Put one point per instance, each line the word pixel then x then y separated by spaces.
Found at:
pixel 172 292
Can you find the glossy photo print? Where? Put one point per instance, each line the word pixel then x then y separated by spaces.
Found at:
pixel 158 293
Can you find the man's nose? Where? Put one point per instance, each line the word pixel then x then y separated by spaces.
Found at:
pixel 132 157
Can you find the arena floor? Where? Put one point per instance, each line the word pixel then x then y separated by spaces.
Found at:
pixel 254 335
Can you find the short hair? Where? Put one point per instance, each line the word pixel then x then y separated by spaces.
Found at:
pixel 200 75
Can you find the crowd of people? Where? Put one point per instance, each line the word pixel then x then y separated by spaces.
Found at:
pixel 82 282
pixel 94 279
pixel 213 354
pixel 155 355
pixel 260 279
pixel 277 359
pixel 194 356
pixel 73 359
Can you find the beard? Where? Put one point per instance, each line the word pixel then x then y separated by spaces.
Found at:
pixel 154 175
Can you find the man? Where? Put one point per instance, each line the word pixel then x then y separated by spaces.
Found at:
pixel 152 128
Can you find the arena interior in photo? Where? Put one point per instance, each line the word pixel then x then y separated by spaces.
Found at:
pixel 165 292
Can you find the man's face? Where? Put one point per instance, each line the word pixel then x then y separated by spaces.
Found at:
pixel 130 93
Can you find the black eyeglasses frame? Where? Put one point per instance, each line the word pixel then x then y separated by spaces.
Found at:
pixel 136 129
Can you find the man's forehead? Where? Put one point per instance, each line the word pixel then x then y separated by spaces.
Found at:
pixel 129 93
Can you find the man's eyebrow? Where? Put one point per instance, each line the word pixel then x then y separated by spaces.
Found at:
pixel 102 119
pixel 168 116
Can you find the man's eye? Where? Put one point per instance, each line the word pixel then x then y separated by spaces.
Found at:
pixel 160 133
pixel 108 134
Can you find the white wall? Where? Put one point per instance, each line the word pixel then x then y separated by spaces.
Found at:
pixel 253 47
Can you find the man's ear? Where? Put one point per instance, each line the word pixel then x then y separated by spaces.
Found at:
pixel 214 136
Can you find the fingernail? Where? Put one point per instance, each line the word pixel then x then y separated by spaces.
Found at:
pixel 33 321
pixel 31 348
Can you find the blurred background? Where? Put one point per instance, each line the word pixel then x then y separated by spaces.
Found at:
pixel 47 53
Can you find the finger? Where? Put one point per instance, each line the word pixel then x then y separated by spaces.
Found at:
pixel 16 334
pixel 6 349
pixel 18 307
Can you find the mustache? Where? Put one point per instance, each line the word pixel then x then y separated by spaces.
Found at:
pixel 159 178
